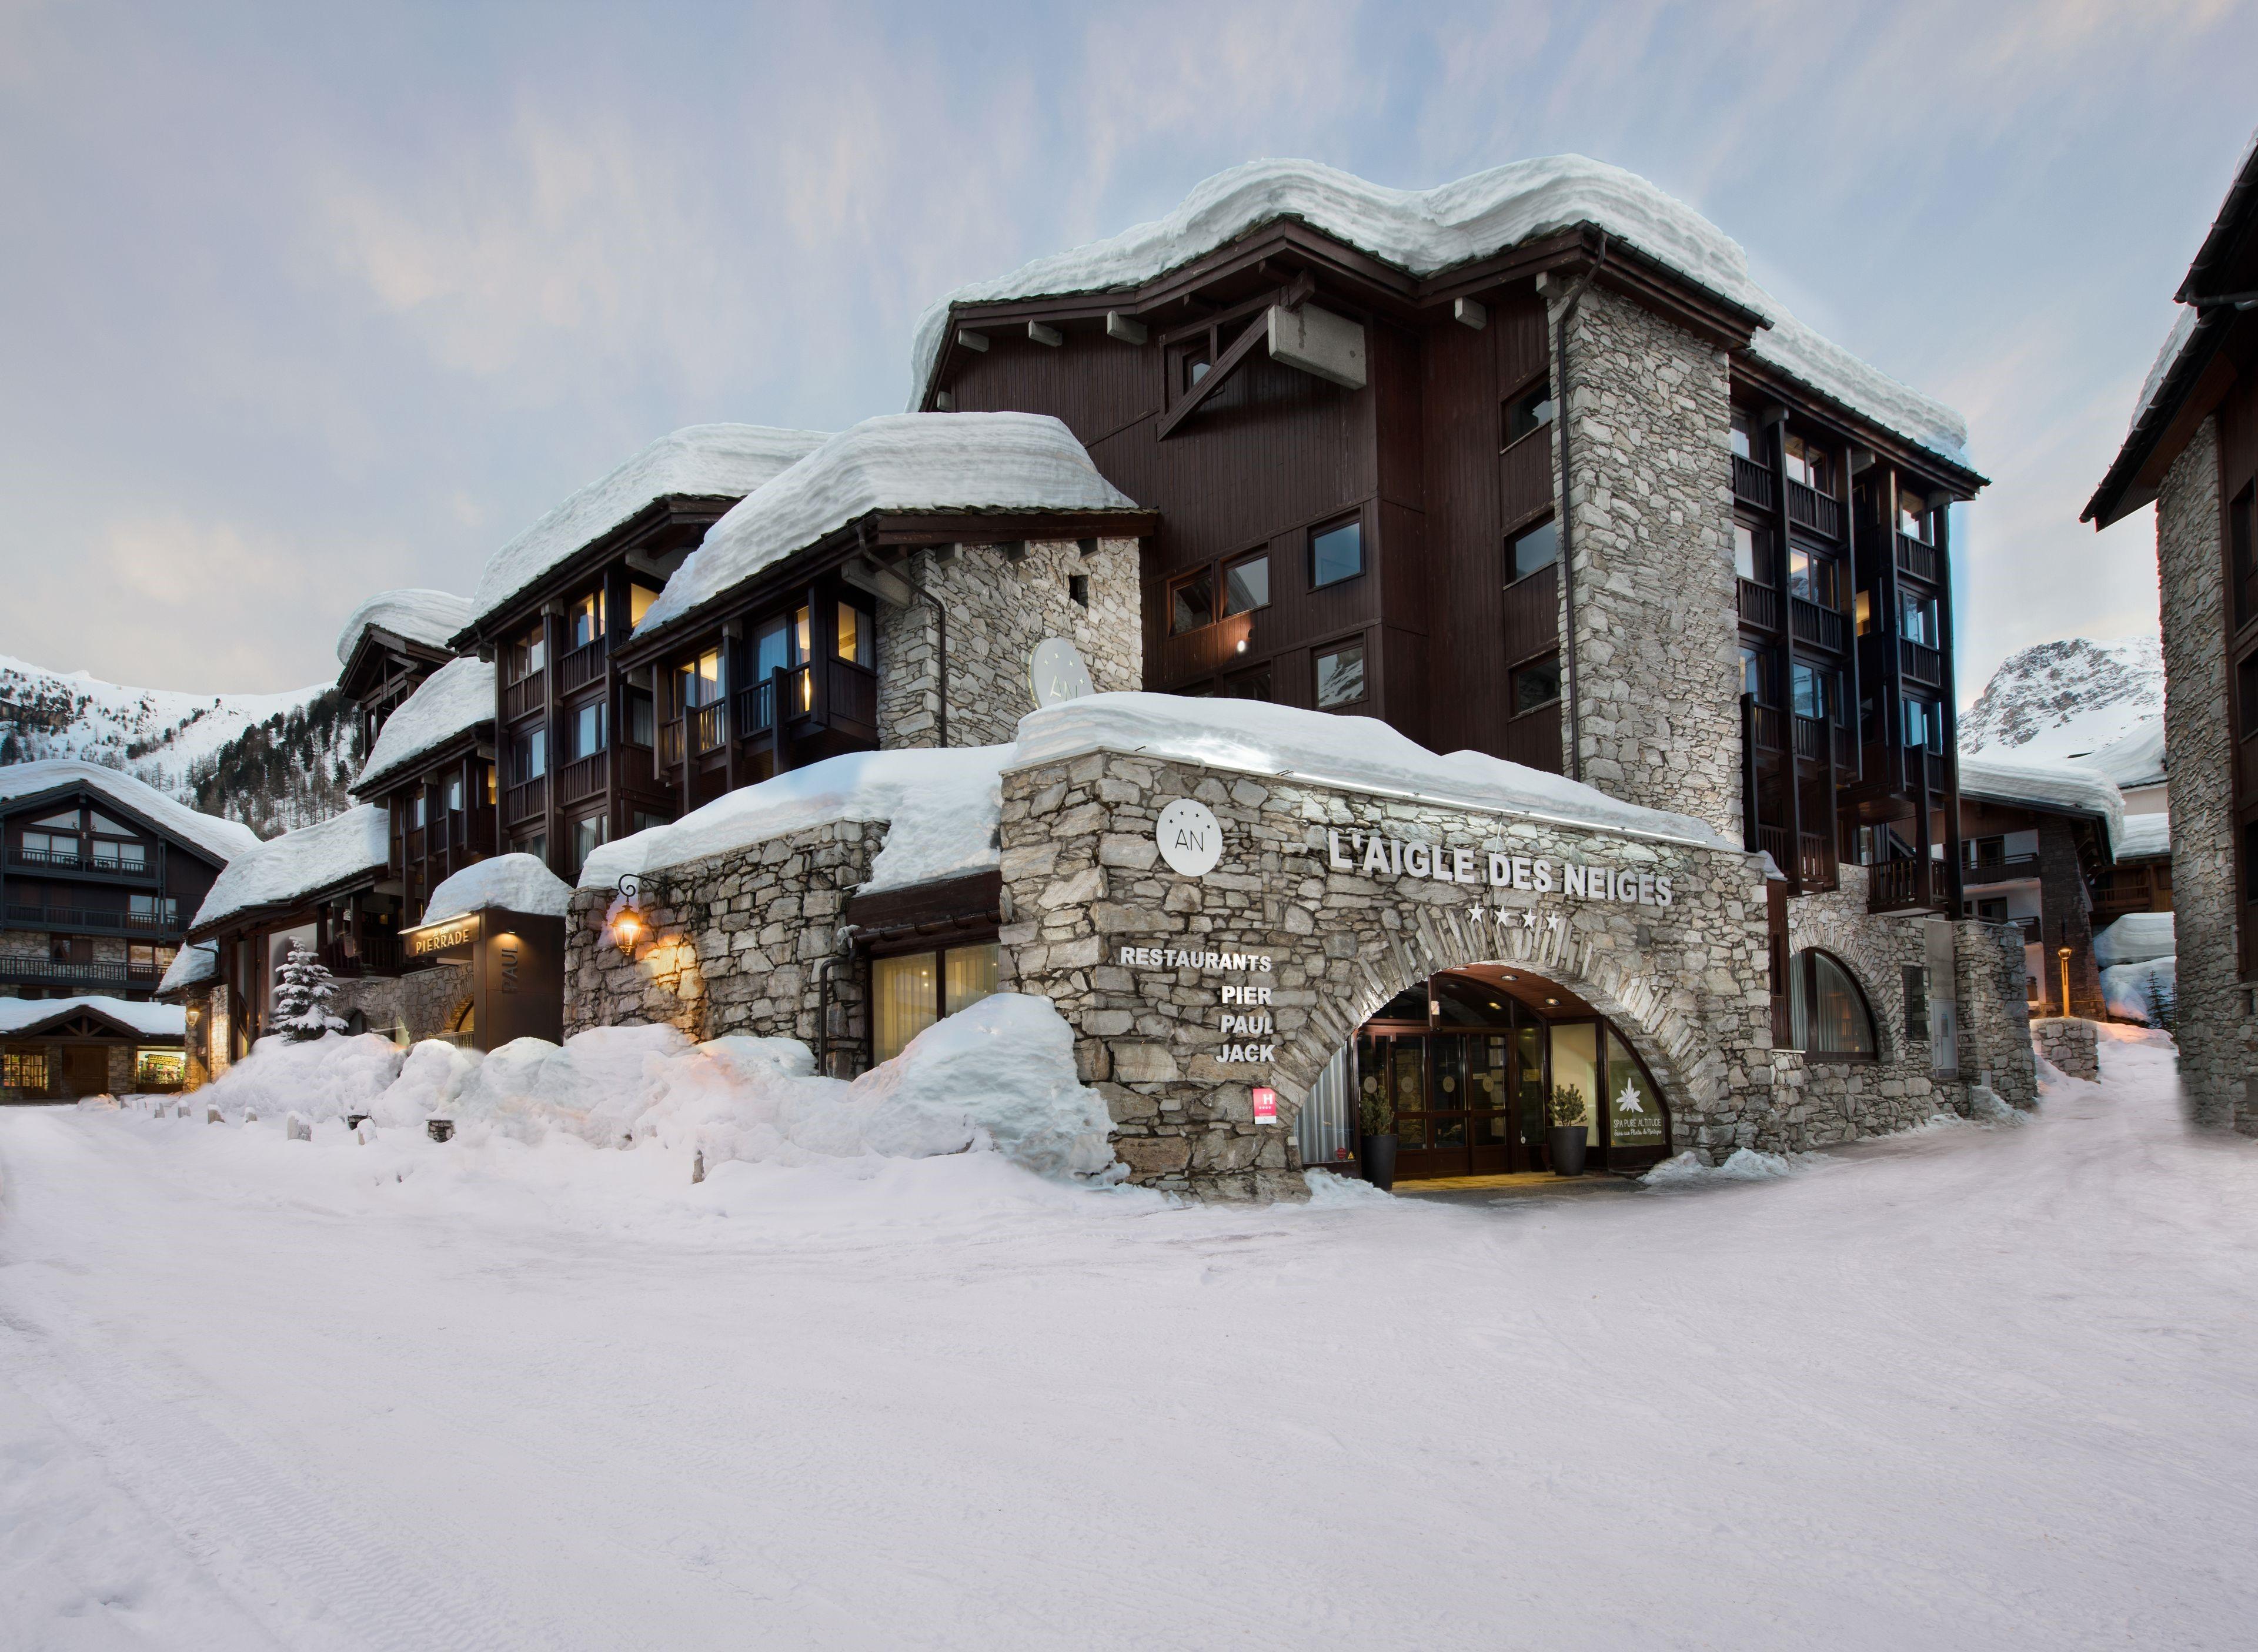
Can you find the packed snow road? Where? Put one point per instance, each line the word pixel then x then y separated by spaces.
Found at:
pixel 1979 1389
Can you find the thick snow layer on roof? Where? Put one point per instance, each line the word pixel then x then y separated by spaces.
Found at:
pixel 943 806
pixel 2144 834
pixel 1360 753
pixel 1426 231
pixel 429 617
pixel 194 963
pixel 709 460
pixel 151 1020
pixel 223 838
pixel 514 882
pixel 2136 938
pixel 290 868
pixel 2147 992
pixel 897 462
pixel 2166 356
pixel 2073 788
pixel 452 700
pixel 2134 759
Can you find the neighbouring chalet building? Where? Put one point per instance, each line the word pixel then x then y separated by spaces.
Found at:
pixel 2192 451
pixel 833 733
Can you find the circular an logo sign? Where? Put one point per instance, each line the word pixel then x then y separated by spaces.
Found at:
pixel 1190 837
pixel 1056 673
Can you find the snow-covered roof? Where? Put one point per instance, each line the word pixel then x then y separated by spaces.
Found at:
pixel 2136 938
pixel 514 882
pixel 896 462
pixel 224 840
pixel 428 617
pixel 297 864
pixel 151 1020
pixel 2071 788
pixel 2144 834
pixel 1424 231
pixel 198 962
pixel 2136 759
pixel 726 461
pixel 943 805
pixel 451 701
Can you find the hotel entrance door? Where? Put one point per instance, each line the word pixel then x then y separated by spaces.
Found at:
pixel 1466 1103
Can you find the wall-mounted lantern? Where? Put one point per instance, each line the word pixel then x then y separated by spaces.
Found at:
pixel 628 927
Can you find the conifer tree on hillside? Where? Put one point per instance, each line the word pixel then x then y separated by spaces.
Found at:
pixel 303 988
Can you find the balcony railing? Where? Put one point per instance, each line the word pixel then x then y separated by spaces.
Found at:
pixel 1846 750
pixel 1910 885
pixel 372 954
pixel 1921 664
pixel 165 918
pixel 1811 742
pixel 74 861
pixel 1759 605
pixel 1752 484
pixel 581 667
pixel 529 798
pixel 40 972
pixel 1919 560
pixel 1807 507
pixel 1823 627
pixel 850 700
pixel 669 745
pixel 1768 721
pixel 2003 869
pixel 709 727
pixel 583 777
pixel 1816 863
pixel 756 709
pixel 527 695
pixel 2034 929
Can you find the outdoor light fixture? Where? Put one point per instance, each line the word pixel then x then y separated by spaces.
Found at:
pixel 2064 955
pixel 1242 645
pixel 626 928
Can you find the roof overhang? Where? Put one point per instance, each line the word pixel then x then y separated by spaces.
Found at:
pixel 255 917
pixel 75 788
pixel 105 1028
pixel 454 748
pixel 667 512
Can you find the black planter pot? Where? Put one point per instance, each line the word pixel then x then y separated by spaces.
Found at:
pixel 1568 1142
pixel 1380 1161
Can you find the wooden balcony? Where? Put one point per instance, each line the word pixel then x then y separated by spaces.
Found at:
pixel 581 667
pixel 584 777
pixel 1759 605
pixel 87 977
pixel 71 863
pixel 755 709
pixel 1752 484
pixel 2003 870
pixel 850 699
pixel 1812 744
pixel 1807 507
pixel 709 727
pixel 1921 664
pixel 527 695
pixel 1910 885
pixel 163 921
pixel 1822 627
pixel 1920 561
pixel 528 799
pixel 1811 862
pixel 1769 722
pixel 669 745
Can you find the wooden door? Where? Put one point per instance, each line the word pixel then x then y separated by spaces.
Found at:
pixel 86 1070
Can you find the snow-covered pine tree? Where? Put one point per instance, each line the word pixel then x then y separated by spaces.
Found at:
pixel 303 988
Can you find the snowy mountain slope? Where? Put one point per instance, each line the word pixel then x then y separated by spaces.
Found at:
pixel 2066 698
pixel 269 760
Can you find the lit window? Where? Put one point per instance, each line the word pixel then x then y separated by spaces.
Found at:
pixel 23 1070
pixel 1336 554
pixel 1340 675
pixel 587 620
pixel 1536 685
pixel 1531 550
pixel 639 601
pixel 1827 1013
pixel 857 638
pixel 1528 413
pixel 160 1069
pixel 1246 584
pixel 803 634
pixel 909 993
pixel 701 678
pixel 1192 603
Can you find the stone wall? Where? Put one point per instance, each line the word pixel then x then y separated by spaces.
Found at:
pixel 422 1004
pixel 1656 625
pixel 999 607
pixel 2214 1036
pixel 1899 1087
pixel 2068 914
pixel 735 943
pixel 1685 984
pixel 1995 1036
pixel 2070 1042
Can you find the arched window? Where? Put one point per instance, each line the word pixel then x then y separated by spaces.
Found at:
pixel 1827 1013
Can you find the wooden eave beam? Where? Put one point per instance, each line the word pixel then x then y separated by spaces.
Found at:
pixel 1227 363
pixel 1802 402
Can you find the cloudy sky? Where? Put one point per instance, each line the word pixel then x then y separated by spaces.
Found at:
pixel 300 302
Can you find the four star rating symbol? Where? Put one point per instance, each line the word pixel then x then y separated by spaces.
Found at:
pixel 1527 917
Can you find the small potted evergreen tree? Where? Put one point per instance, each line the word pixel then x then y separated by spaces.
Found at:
pixel 1376 1113
pixel 1568 1137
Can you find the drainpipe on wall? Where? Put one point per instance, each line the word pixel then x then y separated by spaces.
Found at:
pixel 842 952
pixel 1568 545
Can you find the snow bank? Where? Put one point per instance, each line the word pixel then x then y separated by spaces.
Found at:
pixel 150 1020
pixel 1987 1107
pixel 2074 787
pixel 429 617
pixel 286 870
pixel 2142 991
pixel 514 882
pixel 716 461
pixel 192 964
pixel 944 806
pixel 1686 1170
pixel 1427 231
pixel 1256 737
pixel 997 1077
pixel 222 839
pixel 451 702
pixel 2136 938
pixel 898 462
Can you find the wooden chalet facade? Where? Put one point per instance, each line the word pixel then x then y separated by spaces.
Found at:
pixel 1384 541
pixel 89 1046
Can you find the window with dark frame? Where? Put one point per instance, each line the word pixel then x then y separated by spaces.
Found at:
pixel 1246 584
pixel 1743 433
pixel 1536 685
pixel 1249 685
pixel 1751 553
pixel 1340 676
pixel 1827 1013
pixel 1192 603
pixel 910 991
pixel 1527 412
pixel 1916 1002
pixel 1532 550
pixel 1077 590
pixel 1807 463
pixel 858 635
pixel 1336 553
pixel 2241 553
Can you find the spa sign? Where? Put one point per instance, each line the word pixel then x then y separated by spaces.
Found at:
pixel 1374 856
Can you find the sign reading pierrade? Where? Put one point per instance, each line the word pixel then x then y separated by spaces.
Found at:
pixel 422 943
pixel 1376 856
